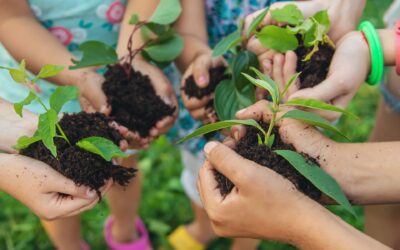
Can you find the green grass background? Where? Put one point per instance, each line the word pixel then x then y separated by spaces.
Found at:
pixel 164 205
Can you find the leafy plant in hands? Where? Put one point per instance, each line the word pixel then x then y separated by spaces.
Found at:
pixel 312 172
pixel 48 126
pixel 312 31
pixel 161 44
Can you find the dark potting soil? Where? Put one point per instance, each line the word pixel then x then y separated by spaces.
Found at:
pixel 315 70
pixel 248 148
pixel 216 76
pixel 134 101
pixel 81 166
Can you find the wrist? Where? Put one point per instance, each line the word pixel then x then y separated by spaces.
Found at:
pixel 388 38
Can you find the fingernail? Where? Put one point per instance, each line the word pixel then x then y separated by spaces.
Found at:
pixel 103 109
pixel 90 193
pixel 209 147
pixel 202 80
pixel 242 111
pixel 236 135
pixel 167 100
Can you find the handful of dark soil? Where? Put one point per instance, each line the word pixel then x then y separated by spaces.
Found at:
pixel 134 101
pixel 315 70
pixel 216 76
pixel 81 166
pixel 248 148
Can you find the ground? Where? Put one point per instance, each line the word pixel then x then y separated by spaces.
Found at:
pixel 164 205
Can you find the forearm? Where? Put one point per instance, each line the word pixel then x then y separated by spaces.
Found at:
pixel 333 232
pixel 25 38
pixel 369 171
pixel 12 126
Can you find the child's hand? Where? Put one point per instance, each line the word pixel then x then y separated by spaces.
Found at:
pixel 163 89
pixel 199 68
pixel 49 194
pixel 92 97
pixel 348 71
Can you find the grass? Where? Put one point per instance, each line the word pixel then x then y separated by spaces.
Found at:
pixel 164 205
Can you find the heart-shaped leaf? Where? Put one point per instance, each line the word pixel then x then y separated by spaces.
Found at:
pixel 62 95
pixel 289 14
pixel 166 51
pixel 166 12
pixel 95 53
pixel 277 38
pixel 28 100
pixel 25 141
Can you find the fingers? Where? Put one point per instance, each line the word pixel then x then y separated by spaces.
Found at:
pixel 200 70
pixel 227 162
pixel 258 111
pixel 289 69
pixel 277 70
pixel 61 184
pixel 207 186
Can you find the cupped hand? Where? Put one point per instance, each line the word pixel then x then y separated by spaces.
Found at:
pixel 199 68
pixel 262 205
pixel 164 89
pixel 49 194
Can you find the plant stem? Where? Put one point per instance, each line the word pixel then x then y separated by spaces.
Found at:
pixel 274 110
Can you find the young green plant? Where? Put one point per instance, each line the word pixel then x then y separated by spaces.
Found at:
pixel 308 169
pixel 48 126
pixel 161 43
pixel 312 31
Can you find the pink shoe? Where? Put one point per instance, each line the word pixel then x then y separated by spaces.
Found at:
pixel 143 243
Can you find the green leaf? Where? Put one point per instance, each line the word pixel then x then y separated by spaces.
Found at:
pixel 166 51
pixel 134 19
pixel 310 36
pixel 61 96
pixel 290 82
pixel 229 99
pixel 232 40
pixel 302 28
pixel 318 177
pixel 220 125
pixel 102 147
pixel 271 140
pixel 277 38
pixel 28 100
pixel 316 104
pixel 95 53
pixel 290 14
pixel 312 119
pixel 167 12
pixel 18 75
pixel 47 130
pixel 323 21
pixel 25 141
pixel 267 85
pixel 256 22
pixel 242 63
pixel 49 70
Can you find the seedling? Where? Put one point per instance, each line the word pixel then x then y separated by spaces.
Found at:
pixel 309 170
pixel 161 42
pixel 311 31
pixel 48 126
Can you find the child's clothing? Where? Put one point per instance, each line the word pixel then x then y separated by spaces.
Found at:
pixel 72 22
pixel 222 18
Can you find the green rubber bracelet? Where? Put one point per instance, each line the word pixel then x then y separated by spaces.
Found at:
pixel 375 47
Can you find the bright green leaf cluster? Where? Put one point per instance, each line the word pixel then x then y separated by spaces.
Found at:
pixel 312 31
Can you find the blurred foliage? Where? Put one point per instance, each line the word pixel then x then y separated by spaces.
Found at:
pixel 164 205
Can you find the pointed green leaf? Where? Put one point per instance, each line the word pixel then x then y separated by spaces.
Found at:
pixel 49 70
pixel 28 100
pixel 18 75
pixel 167 12
pixel 102 147
pixel 134 19
pixel 312 119
pixel 47 130
pixel 227 43
pixel 316 104
pixel 220 125
pixel 242 63
pixel 256 22
pixel 289 14
pixel 277 38
pixel 323 21
pixel 229 99
pixel 267 85
pixel 95 53
pixel 166 51
pixel 62 95
pixel 25 141
pixel 318 177
pixel 290 82
pixel 271 140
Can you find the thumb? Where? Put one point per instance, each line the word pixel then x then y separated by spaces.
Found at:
pixel 200 71
pixel 228 162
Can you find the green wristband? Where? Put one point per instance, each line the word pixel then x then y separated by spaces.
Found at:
pixel 375 47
